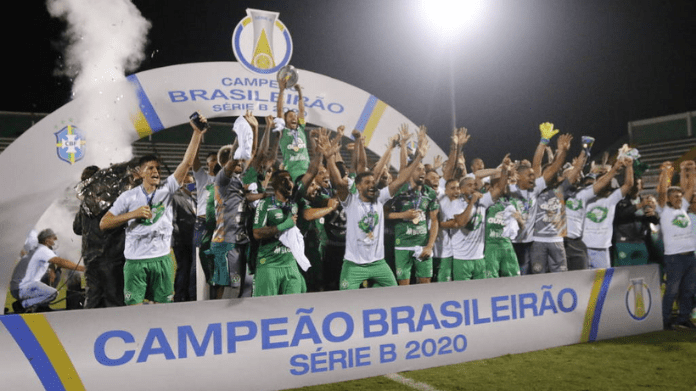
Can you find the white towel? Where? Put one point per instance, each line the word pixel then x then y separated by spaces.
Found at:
pixel 278 124
pixel 245 138
pixel 511 226
pixel 417 251
pixel 292 239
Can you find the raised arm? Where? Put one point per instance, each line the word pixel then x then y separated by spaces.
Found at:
pixel 386 157
pixel 330 150
pixel 563 147
pixel 628 176
pixel 279 104
pixel 605 179
pixel 687 169
pixel 499 187
pixel 300 104
pixel 664 181
pixel 578 163
pixel 191 151
pixel 254 123
pixel 404 136
pixel 405 174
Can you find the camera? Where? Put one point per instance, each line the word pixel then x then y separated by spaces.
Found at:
pixel 196 118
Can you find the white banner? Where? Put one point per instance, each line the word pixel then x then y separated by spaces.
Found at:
pixel 297 340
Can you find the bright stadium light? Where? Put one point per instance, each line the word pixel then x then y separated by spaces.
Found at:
pixel 451 18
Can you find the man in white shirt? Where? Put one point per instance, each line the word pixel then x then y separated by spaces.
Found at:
pixel 26 285
pixel 680 244
pixel 599 221
pixel 147 212
pixel 364 207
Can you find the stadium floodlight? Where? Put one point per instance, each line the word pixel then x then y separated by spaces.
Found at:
pixel 449 19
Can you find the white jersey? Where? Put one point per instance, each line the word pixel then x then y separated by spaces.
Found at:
pixel 599 221
pixel 525 202
pixel 202 180
pixel 365 227
pixel 468 242
pixel 443 246
pixel 148 238
pixel 576 208
pixel 677 234
pixel 37 266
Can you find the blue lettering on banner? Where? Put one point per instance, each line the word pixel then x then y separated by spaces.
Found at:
pixel 251 98
pixel 306 330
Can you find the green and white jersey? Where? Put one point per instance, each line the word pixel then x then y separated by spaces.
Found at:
pixel 495 222
pixel 599 221
pixel 576 207
pixel 676 229
pixel 293 148
pixel 448 208
pixel 525 201
pixel 415 232
pixel 271 212
pixel 468 242
pixel 148 238
pixel 313 231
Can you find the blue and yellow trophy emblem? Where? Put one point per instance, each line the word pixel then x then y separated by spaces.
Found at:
pixel 261 42
pixel 70 144
pixel 638 299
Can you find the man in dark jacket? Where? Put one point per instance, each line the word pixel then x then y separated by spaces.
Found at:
pixel 102 251
pixel 632 227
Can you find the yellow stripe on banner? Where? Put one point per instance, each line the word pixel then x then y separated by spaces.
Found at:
pixel 279 25
pixel 592 305
pixel 374 120
pixel 246 21
pixel 141 125
pixel 54 350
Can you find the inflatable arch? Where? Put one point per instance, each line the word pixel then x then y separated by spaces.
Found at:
pixel 37 173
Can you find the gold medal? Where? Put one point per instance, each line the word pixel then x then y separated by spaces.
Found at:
pixel 295 148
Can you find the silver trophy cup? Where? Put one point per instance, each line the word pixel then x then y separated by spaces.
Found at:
pixel 289 74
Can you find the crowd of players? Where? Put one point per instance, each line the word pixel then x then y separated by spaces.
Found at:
pixel 309 221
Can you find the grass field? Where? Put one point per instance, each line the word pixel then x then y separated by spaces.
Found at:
pixel 664 360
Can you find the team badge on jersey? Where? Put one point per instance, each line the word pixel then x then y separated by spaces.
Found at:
pixel 598 214
pixel 681 221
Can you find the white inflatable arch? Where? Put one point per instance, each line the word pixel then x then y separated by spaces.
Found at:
pixel 36 174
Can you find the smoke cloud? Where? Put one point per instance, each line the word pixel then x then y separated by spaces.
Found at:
pixel 105 39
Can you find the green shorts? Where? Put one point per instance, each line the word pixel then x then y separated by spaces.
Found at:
pixel 500 260
pixel 468 269
pixel 353 274
pixel 404 262
pixel 444 269
pixel 273 281
pixel 149 279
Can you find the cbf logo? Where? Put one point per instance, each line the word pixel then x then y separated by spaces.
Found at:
pixel 70 144
pixel 638 299
pixel 261 42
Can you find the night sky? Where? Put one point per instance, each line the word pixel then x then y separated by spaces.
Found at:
pixel 587 66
